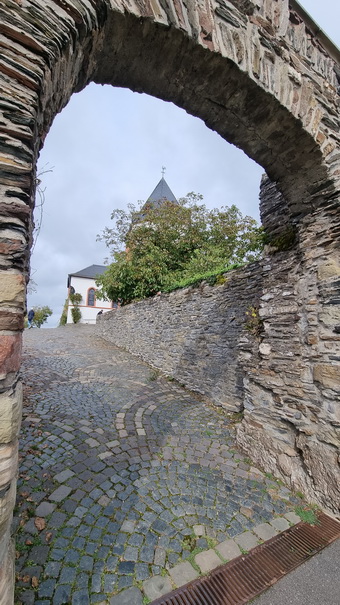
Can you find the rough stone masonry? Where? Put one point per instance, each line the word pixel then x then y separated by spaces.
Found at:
pixel 259 73
pixel 241 344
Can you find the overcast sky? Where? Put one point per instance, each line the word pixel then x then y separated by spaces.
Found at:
pixel 107 148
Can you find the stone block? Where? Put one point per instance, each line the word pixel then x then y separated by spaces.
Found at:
pixel 11 320
pixel 10 414
pixel 128 526
pixel 64 475
pixel 207 560
pixel 92 442
pixel 10 353
pixel 44 509
pixel 131 596
pixel 327 375
pixel 8 463
pixel 199 530
pixel 292 518
pixel 265 531
pixel 183 573
pixel 157 586
pixel 7 576
pixel 12 288
pixel 228 550
pixel 280 523
pixel 328 269
pixel 247 540
pixel 60 493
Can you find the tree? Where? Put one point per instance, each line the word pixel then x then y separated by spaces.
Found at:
pixel 153 248
pixel 75 311
pixel 41 315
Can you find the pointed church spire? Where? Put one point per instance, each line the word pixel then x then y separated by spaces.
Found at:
pixel 162 193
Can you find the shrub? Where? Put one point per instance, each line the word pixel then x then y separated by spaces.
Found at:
pixel 76 314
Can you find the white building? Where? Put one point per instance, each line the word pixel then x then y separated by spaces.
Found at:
pixel 83 282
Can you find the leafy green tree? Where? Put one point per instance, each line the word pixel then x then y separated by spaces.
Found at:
pixel 75 299
pixel 155 247
pixel 76 314
pixel 41 314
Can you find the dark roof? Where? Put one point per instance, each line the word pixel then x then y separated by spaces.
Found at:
pixel 161 193
pixel 92 271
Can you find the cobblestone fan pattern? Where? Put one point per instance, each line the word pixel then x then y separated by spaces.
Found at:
pixel 123 475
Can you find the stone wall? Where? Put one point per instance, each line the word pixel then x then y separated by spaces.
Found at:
pixel 258 72
pixel 280 366
pixel 195 335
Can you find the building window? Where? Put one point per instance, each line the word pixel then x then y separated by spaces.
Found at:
pixel 91 297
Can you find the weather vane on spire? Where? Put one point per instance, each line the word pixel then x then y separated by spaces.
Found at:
pixel 163 171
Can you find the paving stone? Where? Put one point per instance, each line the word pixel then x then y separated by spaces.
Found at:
pixel 292 518
pixel 60 493
pixel 72 556
pixel 86 563
pixel 44 509
pixel 46 588
pixel 68 575
pixel 160 556
pixel 157 586
pixel 183 573
pixel 123 518
pixel 246 541
pixel 128 526
pixel 130 596
pixel 92 442
pixel 39 554
pixel 109 582
pixel 80 597
pixel 57 520
pixel 126 567
pixel 199 530
pixel 207 560
pixel 124 582
pixel 228 550
pixel 62 595
pixel 280 523
pixel 52 569
pixel 142 571
pixel 64 475
pixel 27 597
pixel 265 531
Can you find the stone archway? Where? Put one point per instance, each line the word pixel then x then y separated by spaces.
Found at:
pixel 256 74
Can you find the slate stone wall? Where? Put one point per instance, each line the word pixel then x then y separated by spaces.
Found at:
pixel 193 335
pixel 279 365
pixel 259 73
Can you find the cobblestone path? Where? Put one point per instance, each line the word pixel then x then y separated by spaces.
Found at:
pixel 123 474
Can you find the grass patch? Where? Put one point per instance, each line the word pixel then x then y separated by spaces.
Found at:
pixel 307 515
pixel 211 542
pixel 243 550
pixel 192 556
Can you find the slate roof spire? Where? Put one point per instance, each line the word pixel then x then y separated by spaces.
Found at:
pixel 162 193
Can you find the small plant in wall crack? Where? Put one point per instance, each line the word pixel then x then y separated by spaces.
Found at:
pixel 254 323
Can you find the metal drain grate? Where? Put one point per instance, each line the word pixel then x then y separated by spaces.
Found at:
pixel 247 576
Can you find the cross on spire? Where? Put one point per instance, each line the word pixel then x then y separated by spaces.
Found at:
pixel 163 171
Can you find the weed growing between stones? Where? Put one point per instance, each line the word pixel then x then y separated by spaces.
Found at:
pixel 307 515
pixel 254 323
